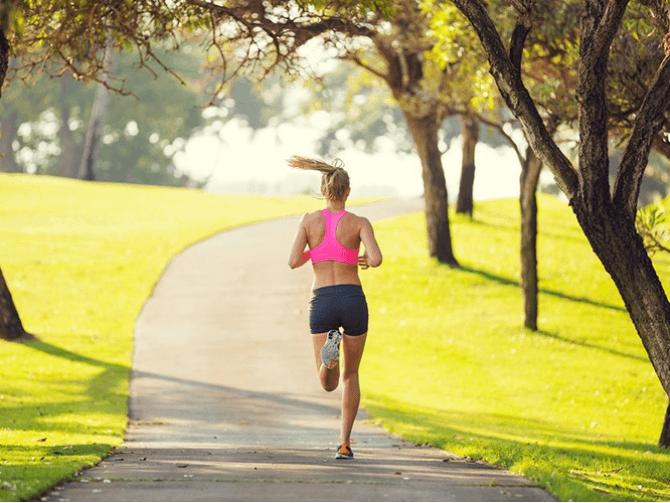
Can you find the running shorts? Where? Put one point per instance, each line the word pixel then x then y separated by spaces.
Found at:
pixel 338 306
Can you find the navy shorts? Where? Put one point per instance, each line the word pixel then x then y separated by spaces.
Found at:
pixel 338 306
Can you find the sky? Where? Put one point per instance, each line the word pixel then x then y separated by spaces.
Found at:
pixel 236 160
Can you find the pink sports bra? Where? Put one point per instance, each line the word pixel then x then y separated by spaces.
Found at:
pixel 330 248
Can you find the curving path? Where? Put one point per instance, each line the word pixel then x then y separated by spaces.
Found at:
pixel 225 403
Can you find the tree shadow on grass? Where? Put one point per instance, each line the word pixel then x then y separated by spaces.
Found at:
pixel 568 461
pixel 509 282
pixel 178 396
pixel 512 282
pixel 111 377
pixel 592 346
pixel 51 349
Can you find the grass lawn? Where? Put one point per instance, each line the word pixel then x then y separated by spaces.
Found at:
pixel 576 406
pixel 80 260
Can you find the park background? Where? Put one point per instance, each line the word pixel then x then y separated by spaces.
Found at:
pixel 584 424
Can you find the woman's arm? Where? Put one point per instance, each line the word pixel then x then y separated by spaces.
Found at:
pixel 299 256
pixel 373 255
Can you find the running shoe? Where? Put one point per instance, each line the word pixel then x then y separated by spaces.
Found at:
pixel 344 452
pixel 330 352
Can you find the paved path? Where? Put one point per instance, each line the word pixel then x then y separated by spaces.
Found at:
pixel 225 403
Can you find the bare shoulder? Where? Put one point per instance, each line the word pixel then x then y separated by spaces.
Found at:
pixel 360 221
pixel 311 216
pixel 310 219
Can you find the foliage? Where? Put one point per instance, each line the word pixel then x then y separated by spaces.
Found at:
pixel 550 59
pixel 143 131
pixel 81 259
pixel 141 134
pixel 252 38
pixel 576 407
pixel 651 224
pixel 237 39
pixel 460 61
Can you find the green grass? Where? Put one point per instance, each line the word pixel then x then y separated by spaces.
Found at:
pixel 80 260
pixel 576 407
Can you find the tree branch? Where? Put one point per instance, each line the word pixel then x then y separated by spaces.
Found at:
pixel 498 127
pixel 648 123
pixel 358 61
pixel 518 40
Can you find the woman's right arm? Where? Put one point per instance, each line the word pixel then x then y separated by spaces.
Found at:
pixel 373 255
pixel 299 256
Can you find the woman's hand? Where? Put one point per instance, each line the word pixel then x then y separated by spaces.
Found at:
pixel 364 261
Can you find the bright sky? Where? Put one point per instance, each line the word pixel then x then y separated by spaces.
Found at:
pixel 236 156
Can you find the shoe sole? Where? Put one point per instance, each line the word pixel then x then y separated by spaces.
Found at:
pixel 330 352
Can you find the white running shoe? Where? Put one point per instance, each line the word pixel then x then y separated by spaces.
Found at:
pixel 330 352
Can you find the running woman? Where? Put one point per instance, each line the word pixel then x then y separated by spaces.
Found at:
pixel 331 238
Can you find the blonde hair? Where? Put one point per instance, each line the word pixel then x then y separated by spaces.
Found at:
pixel 334 179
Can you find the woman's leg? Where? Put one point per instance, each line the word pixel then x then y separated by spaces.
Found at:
pixel 329 378
pixel 352 353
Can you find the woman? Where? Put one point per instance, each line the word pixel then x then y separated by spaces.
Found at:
pixel 333 237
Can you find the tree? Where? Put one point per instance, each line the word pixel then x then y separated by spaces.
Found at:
pixel 455 36
pixel 11 327
pixel 398 59
pixel 606 214
pixel 531 168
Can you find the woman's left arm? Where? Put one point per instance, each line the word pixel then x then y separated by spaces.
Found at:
pixel 299 256
pixel 373 255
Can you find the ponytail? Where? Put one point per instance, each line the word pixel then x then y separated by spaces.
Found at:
pixel 334 179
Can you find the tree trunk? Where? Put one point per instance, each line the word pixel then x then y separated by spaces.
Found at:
pixel 613 237
pixel 68 166
pixel 424 131
pixel 664 441
pixel 530 175
pixel 89 158
pixel 11 328
pixel 470 133
pixel 9 126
